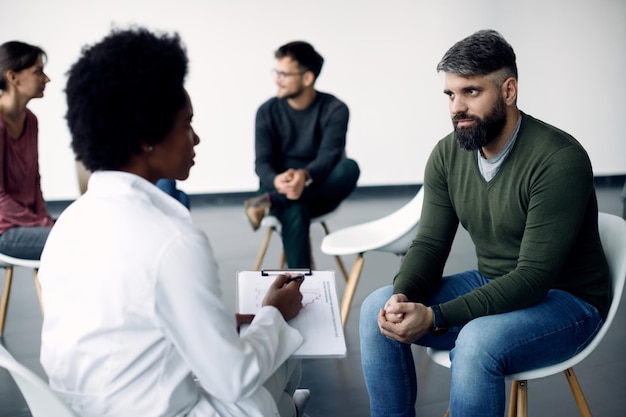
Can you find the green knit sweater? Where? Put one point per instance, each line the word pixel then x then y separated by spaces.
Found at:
pixel 534 225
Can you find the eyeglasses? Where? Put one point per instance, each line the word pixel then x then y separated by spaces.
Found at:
pixel 281 74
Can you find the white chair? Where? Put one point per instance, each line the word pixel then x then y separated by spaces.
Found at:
pixel 613 235
pixel 41 400
pixel 8 263
pixel 392 233
pixel 273 225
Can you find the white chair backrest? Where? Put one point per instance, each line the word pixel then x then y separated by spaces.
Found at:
pixel 392 233
pixel 613 236
pixel 612 231
pixel 40 398
pixel 403 222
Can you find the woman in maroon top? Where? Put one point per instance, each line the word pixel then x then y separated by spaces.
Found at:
pixel 24 219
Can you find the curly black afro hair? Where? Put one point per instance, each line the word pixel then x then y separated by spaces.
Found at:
pixel 122 93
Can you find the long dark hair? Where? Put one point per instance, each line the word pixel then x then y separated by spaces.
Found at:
pixel 16 56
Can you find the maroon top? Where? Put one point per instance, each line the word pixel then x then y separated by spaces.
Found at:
pixel 21 200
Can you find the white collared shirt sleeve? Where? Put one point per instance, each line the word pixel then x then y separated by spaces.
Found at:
pixel 133 308
pixel 189 307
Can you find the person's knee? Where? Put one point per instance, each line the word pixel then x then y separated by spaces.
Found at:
pixel 375 301
pixel 370 308
pixel 475 348
pixel 350 169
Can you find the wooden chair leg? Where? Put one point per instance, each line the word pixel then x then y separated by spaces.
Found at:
pixel 342 267
pixel 340 264
pixel 263 250
pixel 583 407
pixel 348 294
pixel 518 401
pixel 522 399
pixel 5 297
pixel 38 288
pixel 514 396
pixel 283 261
pixel 325 226
pixel 513 399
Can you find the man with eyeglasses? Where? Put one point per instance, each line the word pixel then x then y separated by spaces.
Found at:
pixel 300 152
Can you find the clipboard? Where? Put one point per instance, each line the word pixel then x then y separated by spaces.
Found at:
pixel 319 321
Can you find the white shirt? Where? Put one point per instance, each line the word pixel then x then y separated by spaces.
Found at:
pixel 133 308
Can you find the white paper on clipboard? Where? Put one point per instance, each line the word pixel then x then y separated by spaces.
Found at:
pixel 319 321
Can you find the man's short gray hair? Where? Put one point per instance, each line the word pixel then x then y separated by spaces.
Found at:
pixel 485 52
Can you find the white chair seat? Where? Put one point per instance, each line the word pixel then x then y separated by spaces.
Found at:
pixel 613 236
pixel 272 222
pixel 442 357
pixel 6 260
pixel 392 233
pixel 41 400
pixel 273 225
pixel 9 262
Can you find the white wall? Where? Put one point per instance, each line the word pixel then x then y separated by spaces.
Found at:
pixel 380 59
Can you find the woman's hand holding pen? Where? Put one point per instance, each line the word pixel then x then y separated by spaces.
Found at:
pixel 285 295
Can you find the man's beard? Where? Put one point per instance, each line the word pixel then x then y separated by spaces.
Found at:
pixel 293 95
pixel 484 131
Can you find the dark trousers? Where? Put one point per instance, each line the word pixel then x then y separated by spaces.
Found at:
pixel 319 198
pixel 24 242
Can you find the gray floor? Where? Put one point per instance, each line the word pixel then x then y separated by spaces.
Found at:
pixel 337 384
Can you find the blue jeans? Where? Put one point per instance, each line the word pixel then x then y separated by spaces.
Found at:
pixel 482 352
pixel 24 242
pixel 319 198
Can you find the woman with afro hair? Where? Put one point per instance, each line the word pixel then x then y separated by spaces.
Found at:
pixel 135 324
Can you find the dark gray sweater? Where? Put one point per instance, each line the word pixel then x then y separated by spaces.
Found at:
pixel 313 138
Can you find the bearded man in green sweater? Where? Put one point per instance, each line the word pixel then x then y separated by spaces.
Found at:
pixel 524 191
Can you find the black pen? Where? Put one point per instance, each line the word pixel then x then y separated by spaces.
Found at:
pixel 297 278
